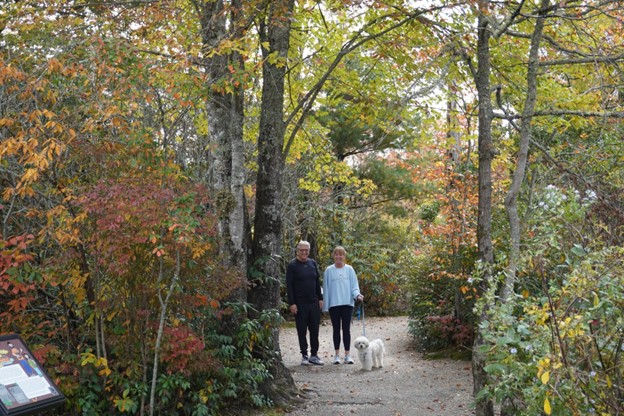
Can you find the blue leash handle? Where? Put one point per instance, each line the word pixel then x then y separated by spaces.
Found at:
pixel 360 312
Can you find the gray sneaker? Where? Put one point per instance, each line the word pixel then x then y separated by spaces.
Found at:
pixel 305 360
pixel 316 360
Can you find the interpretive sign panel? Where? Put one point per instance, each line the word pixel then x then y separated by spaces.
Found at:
pixel 25 388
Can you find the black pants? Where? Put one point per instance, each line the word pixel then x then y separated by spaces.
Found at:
pixel 308 318
pixel 341 315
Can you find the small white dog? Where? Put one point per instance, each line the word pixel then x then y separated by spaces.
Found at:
pixel 370 353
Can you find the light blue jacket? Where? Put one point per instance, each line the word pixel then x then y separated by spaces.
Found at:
pixel 340 286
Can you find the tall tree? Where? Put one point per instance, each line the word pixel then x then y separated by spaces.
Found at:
pixel 265 294
pixel 511 200
pixel 511 21
pixel 484 407
pixel 221 26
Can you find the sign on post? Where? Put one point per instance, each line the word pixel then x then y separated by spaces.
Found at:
pixel 25 388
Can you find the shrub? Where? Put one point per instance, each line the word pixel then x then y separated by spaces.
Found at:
pixel 566 347
pixel 557 346
pixel 440 315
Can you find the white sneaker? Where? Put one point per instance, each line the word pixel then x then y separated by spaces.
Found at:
pixel 336 360
pixel 315 360
pixel 348 359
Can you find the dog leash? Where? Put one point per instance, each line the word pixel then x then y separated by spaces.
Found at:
pixel 363 318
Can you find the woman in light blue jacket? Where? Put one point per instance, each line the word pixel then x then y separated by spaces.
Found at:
pixel 340 291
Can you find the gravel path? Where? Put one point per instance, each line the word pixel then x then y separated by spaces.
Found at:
pixel 408 384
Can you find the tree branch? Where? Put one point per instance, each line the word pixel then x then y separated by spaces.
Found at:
pixel 305 105
pixel 576 113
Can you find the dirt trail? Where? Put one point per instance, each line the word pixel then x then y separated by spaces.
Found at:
pixel 408 385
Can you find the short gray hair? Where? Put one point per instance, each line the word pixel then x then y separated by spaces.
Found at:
pixel 303 243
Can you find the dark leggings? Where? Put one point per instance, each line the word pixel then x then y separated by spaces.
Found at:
pixel 341 314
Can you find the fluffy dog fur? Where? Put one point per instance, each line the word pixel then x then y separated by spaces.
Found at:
pixel 370 353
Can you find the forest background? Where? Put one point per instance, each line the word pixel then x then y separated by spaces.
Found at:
pixel 161 159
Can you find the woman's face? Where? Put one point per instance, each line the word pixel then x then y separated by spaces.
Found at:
pixel 339 258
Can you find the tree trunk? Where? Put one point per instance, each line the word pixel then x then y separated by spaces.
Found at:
pixel 454 139
pixel 511 200
pixel 484 407
pixel 225 116
pixel 265 292
pixel 523 154
pixel 225 152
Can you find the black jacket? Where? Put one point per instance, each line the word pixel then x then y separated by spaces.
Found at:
pixel 303 282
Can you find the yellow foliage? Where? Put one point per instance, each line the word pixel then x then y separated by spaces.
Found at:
pixel 87 358
pixel 545 377
pixel 542 367
pixel 6 122
pixel 541 314
pixel 547 407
